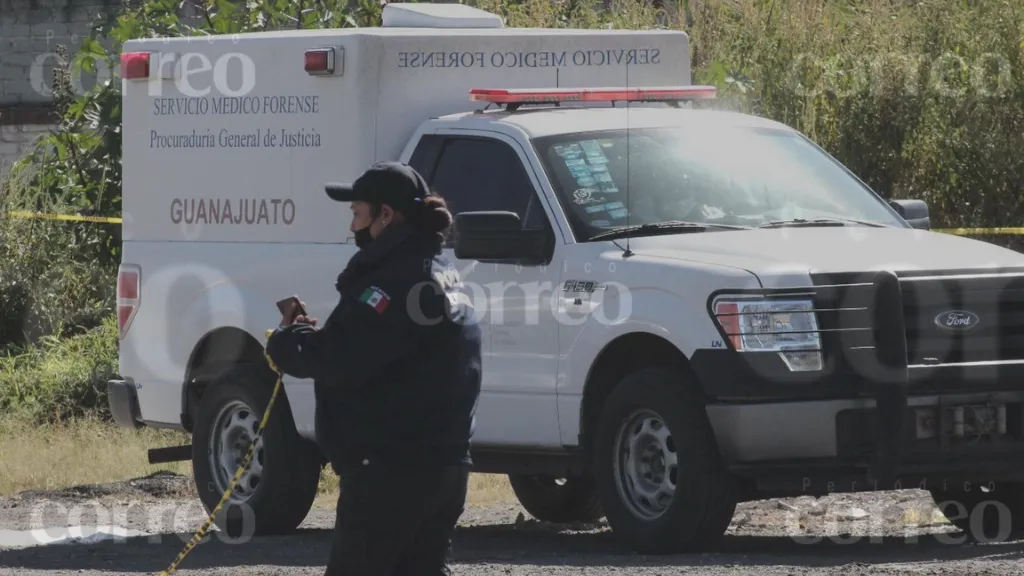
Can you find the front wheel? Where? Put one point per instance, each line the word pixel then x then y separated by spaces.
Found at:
pixel 662 484
pixel 276 491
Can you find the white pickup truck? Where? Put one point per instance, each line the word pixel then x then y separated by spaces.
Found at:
pixel 683 308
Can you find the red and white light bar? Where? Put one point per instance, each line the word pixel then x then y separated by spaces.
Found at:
pixel 540 95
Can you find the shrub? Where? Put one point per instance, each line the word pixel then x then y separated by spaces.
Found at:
pixel 48 284
pixel 57 277
pixel 61 378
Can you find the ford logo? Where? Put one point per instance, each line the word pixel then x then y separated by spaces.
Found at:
pixel 960 320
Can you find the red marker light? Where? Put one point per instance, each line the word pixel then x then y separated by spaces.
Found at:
pixel 320 62
pixel 134 65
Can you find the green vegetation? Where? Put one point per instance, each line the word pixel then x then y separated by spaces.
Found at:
pixel 921 98
pixel 61 379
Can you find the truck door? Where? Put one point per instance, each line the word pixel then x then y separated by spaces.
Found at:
pixel 516 306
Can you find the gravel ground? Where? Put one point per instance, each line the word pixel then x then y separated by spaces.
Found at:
pixel 872 533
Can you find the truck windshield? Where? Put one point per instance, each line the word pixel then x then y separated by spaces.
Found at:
pixel 738 176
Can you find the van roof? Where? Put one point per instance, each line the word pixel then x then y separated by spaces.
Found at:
pixel 403 32
pixel 260 132
pixel 540 122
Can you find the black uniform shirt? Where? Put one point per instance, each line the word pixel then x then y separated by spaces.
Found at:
pixel 397 365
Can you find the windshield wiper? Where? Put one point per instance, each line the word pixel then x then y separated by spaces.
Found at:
pixel 663 227
pixel 830 221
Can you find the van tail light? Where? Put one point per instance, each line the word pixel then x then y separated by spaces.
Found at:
pixel 129 296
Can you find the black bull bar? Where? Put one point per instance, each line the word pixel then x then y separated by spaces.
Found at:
pixel 880 339
pixel 905 347
pixel 891 391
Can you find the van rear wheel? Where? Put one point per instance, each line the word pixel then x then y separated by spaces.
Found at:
pixel 558 500
pixel 662 484
pixel 276 492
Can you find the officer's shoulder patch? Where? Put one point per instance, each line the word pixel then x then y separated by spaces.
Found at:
pixel 375 298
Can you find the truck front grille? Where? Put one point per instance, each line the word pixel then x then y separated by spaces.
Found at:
pixel 948 317
pixel 957 317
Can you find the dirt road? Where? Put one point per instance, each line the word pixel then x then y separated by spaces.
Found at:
pixel 875 533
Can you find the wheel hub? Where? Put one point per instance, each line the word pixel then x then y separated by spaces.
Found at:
pixel 234 431
pixel 646 465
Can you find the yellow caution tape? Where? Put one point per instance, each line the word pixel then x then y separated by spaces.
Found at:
pixel 981 231
pixel 201 533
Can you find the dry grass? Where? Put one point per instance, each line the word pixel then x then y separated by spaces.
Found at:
pixel 81 452
pixel 90 451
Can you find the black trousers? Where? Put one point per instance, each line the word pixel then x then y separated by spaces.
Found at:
pixel 397 522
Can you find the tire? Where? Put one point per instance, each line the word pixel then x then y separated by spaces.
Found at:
pixel 549 500
pixel 274 495
pixel 699 498
pixel 984 516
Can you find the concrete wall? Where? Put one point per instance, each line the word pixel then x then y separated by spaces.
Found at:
pixel 30 31
pixel 16 140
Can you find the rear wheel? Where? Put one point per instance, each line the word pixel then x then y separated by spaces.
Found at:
pixel 662 484
pixel 277 490
pixel 558 500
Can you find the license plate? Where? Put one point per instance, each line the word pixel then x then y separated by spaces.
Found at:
pixel 968 421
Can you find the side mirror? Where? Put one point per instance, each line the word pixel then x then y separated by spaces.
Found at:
pixel 499 237
pixel 915 212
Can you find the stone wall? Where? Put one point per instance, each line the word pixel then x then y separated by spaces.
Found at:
pixel 16 140
pixel 30 31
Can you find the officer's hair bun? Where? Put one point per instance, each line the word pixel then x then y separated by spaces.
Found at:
pixel 435 216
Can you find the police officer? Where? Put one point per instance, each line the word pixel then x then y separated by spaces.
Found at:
pixel 396 369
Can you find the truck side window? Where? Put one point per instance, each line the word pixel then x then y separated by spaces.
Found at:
pixel 474 174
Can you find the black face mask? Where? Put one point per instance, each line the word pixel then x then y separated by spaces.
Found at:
pixel 363 237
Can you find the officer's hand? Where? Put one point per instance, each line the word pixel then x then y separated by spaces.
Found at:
pixel 305 320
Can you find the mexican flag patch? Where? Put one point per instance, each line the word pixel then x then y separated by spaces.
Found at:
pixel 377 299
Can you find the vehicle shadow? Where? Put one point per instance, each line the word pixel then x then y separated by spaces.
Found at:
pixel 505 544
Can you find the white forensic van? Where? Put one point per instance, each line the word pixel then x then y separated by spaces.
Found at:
pixel 683 308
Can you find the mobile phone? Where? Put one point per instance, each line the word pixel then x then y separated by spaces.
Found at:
pixel 290 309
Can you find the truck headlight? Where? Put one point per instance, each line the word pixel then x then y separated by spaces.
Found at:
pixel 789 327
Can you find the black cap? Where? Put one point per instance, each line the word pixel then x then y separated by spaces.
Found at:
pixel 393 183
